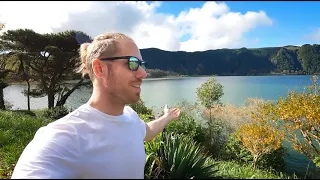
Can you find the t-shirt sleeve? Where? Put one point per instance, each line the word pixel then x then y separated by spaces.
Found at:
pixel 143 127
pixel 141 123
pixel 52 154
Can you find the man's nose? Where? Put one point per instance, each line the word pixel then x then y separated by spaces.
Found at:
pixel 141 73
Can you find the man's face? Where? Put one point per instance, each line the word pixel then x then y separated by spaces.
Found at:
pixel 121 83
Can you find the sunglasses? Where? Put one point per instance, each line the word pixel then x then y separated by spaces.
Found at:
pixel 134 62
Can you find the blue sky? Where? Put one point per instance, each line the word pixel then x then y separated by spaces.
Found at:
pixel 204 25
pixel 293 20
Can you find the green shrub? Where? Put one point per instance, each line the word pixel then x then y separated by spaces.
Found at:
pixel 193 122
pixel 146 117
pixel 152 165
pixel 140 108
pixel 316 161
pixel 218 136
pixel 56 113
pixel 157 73
pixel 177 157
pixel 233 151
pixel 188 126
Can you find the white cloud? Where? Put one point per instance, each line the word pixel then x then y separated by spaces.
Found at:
pixel 314 36
pixel 211 26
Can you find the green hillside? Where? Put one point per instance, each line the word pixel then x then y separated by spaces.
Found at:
pixel 243 61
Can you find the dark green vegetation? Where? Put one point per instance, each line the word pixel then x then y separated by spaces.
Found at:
pixel 260 61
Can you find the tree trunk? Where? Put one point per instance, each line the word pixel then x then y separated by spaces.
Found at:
pixel 64 97
pixel 255 159
pixel 2 86
pixel 28 95
pixel 210 126
pixel 2 106
pixel 50 99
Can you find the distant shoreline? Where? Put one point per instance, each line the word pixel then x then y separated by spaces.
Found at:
pixel 175 77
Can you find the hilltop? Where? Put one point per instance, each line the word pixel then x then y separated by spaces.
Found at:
pixel 254 61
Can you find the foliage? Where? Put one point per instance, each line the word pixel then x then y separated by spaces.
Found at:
pixel 56 113
pixel 157 73
pixel 152 166
pixel 234 116
pixel 243 61
pixel 141 108
pixel 286 60
pixel 178 157
pixel 146 117
pixel 309 56
pixel 51 57
pixel 234 151
pixel 4 72
pixel 188 126
pixel 259 138
pixel 234 170
pixel 209 93
pixel 299 115
pixel 316 161
pixel 17 129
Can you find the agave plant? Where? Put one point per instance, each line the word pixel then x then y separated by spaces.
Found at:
pixel 153 165
pixel 177 157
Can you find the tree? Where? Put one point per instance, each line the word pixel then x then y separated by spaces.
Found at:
pixel 298 115
pixel 259 139
pixel 286 59
pixel 51 57
pixel 309 56
pixel 19 71
pixel 23 71
pixel 209 94
pixel 4 72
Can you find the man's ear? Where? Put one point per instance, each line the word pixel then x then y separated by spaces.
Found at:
pixel 97 68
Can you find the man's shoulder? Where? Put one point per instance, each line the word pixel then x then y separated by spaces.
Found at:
pixel 65 130
pixel 59 130
pixel 129 110
pixel 51 146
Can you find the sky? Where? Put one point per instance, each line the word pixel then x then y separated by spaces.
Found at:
pixel 175 26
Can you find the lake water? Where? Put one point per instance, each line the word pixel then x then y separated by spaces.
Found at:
pixel 158 92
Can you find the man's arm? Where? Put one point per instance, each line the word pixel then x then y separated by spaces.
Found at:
pixel 153 128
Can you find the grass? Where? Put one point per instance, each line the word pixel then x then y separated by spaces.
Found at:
pixel 233 170
pixel 17 129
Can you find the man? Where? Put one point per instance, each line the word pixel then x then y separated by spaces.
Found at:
pixel 102 138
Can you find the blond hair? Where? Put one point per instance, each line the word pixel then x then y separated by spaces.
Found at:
pixel 103 45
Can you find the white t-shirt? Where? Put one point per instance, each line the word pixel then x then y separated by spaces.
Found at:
pixel 86 144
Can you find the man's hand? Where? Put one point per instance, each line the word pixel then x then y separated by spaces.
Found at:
pixel 154 127
pixel 171 114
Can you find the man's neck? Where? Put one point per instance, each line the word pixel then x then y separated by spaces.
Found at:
pixel 105 104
